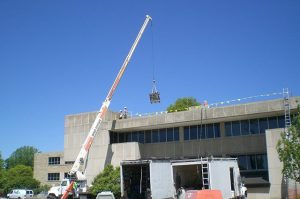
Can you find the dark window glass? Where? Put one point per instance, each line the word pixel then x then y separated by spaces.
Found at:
pixel 148 136
pixel 53 160
pixel 231 179
pixel 155 137
pixel 141 137
pixel 176 134
pixel 245 127
pixel 273 122
pixel 170 136
pixel 236 128
pixel 261 162
pixel 193 132
pixel 252 162
pixel 115 139
pixel 263 125
pixel 186 133
pixel 135 137
pixel 121 137
pixel 254 127
pixel 128 137
pixel 228 128
pixel 281 123
pixel 217 130
pixel 111 138
pixel 210 131
pixel 242 160
pixel 162 135
pixel 53 176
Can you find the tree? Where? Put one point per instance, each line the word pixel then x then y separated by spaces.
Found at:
pixel 23 155
pixel 288 149
pixel 107 180
pixel 20 176
pixel 183 104
pixel 1 162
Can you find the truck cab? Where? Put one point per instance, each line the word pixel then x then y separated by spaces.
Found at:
pixel 57 191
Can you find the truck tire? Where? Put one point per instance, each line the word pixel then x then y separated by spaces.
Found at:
pixel 51 196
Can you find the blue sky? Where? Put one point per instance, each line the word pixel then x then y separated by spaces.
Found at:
pixel 61 57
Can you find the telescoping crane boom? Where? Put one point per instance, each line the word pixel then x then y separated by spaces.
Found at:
pixel 90 137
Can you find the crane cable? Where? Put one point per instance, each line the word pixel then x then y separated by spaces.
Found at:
pixel 153 58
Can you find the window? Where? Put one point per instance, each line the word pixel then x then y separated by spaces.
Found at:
pixel 263 125
pixel 170 135
pixel 242 160
pixel 254 127
pixel 210 131
pixel 273 122
pixel 69 162
pixel 245 127
pixel 186 133
pixel 128 137
pixel 53 176
pixel 53 160
pixel 261 161
pixel 193 132
pixel 67 176
pixel 135 137
pixel 115 138
pixel 155 136
pixel 236 128
pixel 231 179
pixel 162 135
pixel 217 130
pixel 228 128
pixel 141 137
pixel 148 136
pixel 121 137
pixel 281 123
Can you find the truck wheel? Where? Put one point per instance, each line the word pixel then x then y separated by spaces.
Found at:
pixel 51 197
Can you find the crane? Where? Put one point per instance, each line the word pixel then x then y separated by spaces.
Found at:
pixel 100 115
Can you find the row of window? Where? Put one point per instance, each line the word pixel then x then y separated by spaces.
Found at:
pixel 202 131
pixel 253 162
pixel 56 176
pixel 253 126
pixel 148 136
pixel 252 166
pixel 53 160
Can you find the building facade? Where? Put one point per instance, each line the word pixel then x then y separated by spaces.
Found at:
pixel 248 132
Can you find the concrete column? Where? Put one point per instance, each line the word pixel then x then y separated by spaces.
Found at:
pixel 222 129
pixel 181 134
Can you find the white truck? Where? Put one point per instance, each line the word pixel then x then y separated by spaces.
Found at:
pixel 173 178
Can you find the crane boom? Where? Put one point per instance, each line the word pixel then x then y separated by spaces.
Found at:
pixel 90 137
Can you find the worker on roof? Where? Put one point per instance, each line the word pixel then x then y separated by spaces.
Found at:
pixel 125 112
pixel 120 114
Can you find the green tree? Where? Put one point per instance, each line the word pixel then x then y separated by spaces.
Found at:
pixel 23 155
pixel 1 162
pixel 183 104
pixel 20 176
pixel 288 149
pixel 2 171
pixel 107 180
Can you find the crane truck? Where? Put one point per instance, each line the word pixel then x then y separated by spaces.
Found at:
pixel 66 187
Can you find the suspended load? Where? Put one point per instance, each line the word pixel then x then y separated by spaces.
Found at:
pixel 154 95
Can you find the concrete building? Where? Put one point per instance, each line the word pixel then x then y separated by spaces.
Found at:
pixel 246 131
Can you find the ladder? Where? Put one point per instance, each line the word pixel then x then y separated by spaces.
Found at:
pixel 287 109
pixel 205 175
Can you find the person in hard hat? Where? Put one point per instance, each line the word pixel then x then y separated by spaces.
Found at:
pixel 120 114
pixel 125 112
